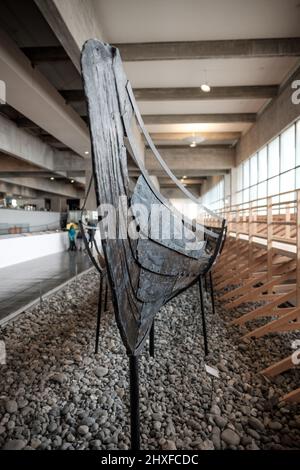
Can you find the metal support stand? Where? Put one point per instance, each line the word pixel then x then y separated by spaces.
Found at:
pixel 99 315
pixel 134 402
pixel 212 292
pixel 203 316
pixel 151 340
pixel 106 295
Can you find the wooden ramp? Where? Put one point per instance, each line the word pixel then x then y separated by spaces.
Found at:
pixel 259 269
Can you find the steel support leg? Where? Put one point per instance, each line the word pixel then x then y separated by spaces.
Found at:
pixel 134 402
pixel 99 315
pixel 203 316
pixel 212 292
pixel 151 340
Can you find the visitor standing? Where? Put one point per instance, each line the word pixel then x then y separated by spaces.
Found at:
pixel 72 237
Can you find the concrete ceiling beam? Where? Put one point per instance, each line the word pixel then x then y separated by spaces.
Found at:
pixel 29 92
pixel 183 50
pixel 194 50
pixel 52 187
pixel 186 159
pixel 207 136
pixel 198 118
pixel 23 151
pixel 189 93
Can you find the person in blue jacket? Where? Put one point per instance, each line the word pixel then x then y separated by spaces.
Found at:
pixel 72 238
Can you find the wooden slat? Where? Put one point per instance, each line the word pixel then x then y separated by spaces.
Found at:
pixel 292 397
pixel 255 292
pixel 244 288
pixel 276 325
pixel 278 367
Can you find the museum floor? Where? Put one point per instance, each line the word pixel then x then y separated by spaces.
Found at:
pixel 22 283
pixel 57 394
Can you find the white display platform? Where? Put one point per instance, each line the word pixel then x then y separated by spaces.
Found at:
pixel 18 249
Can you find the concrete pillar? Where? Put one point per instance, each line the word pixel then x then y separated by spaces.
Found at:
pixel 73 22
pixel 56 204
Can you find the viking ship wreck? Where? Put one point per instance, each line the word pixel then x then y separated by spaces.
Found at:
pixel 148 269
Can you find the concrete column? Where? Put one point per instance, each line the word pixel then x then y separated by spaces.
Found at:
pixel 73 22
pixel 56 204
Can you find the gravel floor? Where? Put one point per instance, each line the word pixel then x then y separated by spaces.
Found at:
pixel 56 394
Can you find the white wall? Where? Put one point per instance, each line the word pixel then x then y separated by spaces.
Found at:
pixel 25 248
pixel 33 218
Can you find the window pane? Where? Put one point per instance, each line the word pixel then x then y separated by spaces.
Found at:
pixel 273 186
pixel 297 178
pixel 262 189
pixel 239 197
pixel 221 189
pixel 262 164
pixel 287 149
pixel 298 143
pixel 246 181
pixel 273 158
pixel 253 193
pixel 240 177
pixel 246 195
pixel 253 169
pixel 287 181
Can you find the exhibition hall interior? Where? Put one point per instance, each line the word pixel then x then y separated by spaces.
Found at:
pixel 150 225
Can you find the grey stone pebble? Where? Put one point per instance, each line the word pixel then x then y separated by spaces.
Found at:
pixel 83 430
pixel 14 444
pixel 58 377
pixel 63 398
pixel 169 445
pixel 230 437
pixel 220 421
pixel 255 423
pixel 275 425
pixel 11 406
pixel 101 372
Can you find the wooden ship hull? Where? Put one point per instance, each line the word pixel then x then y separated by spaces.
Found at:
pixel 145 269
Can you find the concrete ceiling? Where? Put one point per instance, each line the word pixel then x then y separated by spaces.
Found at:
pixel 194 20
pixel 139 21
pixel 219 72
pixel 136 21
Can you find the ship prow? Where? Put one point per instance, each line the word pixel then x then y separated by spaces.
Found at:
pixel 147 267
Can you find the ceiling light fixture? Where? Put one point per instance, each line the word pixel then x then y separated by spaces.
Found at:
pixel 52 178
pixel 72 181
pixel 205 86
pixel 86 152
